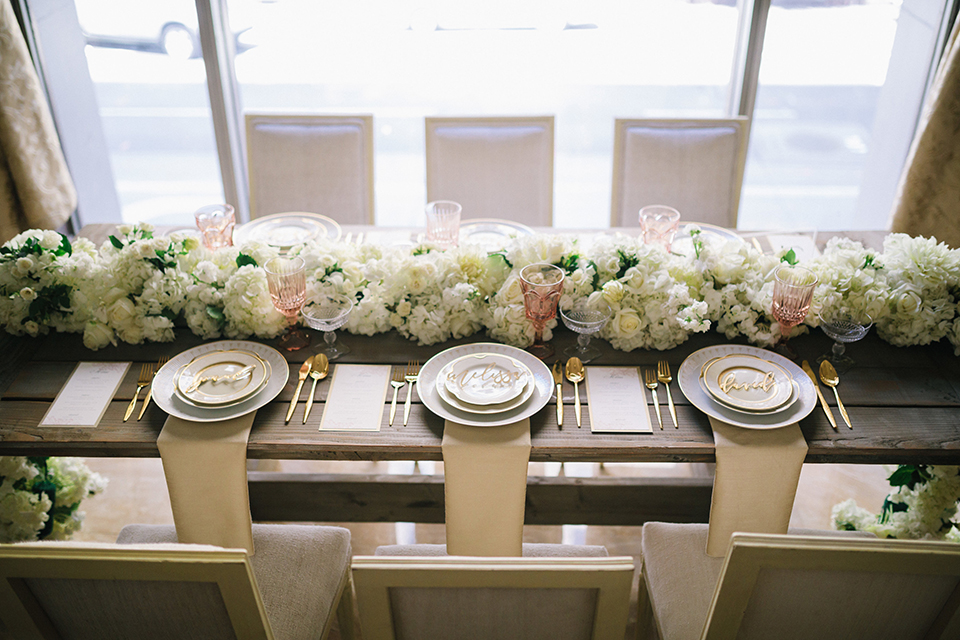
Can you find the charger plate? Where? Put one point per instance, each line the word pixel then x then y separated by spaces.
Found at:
pixel 285 230
pixel 688 376
pixel 427 387
pixel 164 384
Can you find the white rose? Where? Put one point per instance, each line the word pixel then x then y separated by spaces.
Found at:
pixel 50 240
pixel 626 323
pixel 121 312
pixel 24 265
pixel 31 327
pixel 403 309
pixel 97 336
pixel 613 292
pixel 511 292
pixel 908 302
pixel 28 294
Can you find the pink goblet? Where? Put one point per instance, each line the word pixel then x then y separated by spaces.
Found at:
pixel 542 285
pixel 287 280
pixel 792 292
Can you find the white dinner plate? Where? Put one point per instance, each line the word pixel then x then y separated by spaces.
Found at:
pixel 793 398
pixel 285 230
pixel 221 363
pixel 688 377
pixel 748 383
pixel 166 397
pixel 486 409
pixel 542 386
pixel 491 233
pixel 484 378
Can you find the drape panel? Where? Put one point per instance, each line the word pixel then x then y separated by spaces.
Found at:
pixel 36 191
pixel 928 198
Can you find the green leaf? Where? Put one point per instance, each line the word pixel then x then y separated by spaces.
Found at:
pixel 503 256
pixel 65 247
pixel 243 260
pixel 53 298
pixel 595 283
pixel 909 475
pixel 790 257
pixel 217 314
pixel 115 242
pixel 626 261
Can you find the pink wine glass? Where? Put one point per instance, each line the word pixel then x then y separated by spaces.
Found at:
pixel 287 280
pixel 542 285
pixel 792 292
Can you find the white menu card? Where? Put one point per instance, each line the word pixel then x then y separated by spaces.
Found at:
pixel 356 396
pixel 616 400
pixel 85 397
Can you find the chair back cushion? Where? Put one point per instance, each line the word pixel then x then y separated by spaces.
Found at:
pixel 694 166
pixel 312 163
pixel 494 167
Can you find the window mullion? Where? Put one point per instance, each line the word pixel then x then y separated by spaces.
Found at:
pixel 746 72
pixel 217 43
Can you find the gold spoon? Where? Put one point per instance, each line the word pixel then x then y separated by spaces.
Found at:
pixel 575 374
pixel 319 371
pixel 829 377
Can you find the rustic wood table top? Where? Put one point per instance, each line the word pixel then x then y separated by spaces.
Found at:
pixel 904 404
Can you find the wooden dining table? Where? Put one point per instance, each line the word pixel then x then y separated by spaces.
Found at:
pixel 904 404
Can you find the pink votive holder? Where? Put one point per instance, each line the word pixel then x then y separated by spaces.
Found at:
pixel 658 224
pixel 216 222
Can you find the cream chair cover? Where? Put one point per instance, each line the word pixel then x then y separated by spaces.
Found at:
pixel 543 597
pixel 301 572
pixel 694 166
pixel 496 167
pixel 810 584
pixel 36 191
pixel 316 163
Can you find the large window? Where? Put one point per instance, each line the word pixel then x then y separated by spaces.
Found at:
pixel 840 86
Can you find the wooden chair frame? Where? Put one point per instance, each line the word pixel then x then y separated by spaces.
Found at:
pixel 253 118
pixel 374 576
pixel 622 125
pixel 751 553
pixel 230 569
pixel 431 124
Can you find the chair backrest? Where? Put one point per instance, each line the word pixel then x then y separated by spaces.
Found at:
pixel 807 587
pixel 51 590
pixel 488 598
pixel 495 167
pixel 307 162
pixel 694 166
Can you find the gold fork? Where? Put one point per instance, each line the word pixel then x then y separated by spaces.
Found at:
pixel 397 384
pixel 146 375
pixel 413 371
pixel 162 361
pixel 650 376
pixel 663 374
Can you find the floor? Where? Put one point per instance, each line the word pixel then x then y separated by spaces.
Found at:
pixel 137 494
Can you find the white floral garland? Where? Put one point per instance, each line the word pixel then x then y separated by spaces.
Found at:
pixel 138 287
pixel 923 506
pixel 27 511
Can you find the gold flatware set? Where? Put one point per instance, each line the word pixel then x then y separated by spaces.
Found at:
pixel 829 377
pixel 316 368
pixel 147 373
pixel 651 380
pixel 401 378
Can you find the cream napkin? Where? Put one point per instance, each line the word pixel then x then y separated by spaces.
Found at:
pixel 755 483
pixel 206 469
pixel 485 487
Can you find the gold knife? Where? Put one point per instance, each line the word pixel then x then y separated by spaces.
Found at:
pixel 816 385
pixel 558 380
pixel 304 372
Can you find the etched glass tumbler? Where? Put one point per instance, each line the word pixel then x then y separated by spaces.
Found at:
pixel 792 292
pixel 443 223
pixel 541 284
pixel 216 222
pixel 658 224
pixel 287 281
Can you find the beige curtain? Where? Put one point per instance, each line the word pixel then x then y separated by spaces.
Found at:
pixel 928 198
pixel 36 191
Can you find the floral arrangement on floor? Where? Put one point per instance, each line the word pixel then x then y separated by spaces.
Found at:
pixel 138 287
pixel 923 506
pixel 40 497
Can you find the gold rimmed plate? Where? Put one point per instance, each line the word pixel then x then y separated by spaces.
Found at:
pixel 221 378
pixel 484 378
pixel 747 383
pixel 286 230
pixel 487 409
